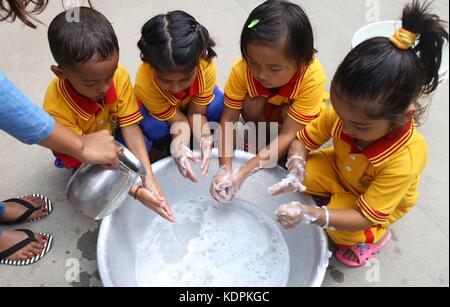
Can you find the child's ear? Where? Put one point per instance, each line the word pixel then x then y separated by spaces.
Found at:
pixel 58 71
pixel 411 111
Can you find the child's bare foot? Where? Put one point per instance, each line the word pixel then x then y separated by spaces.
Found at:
pixel 10 238
pixel 359 254
pixel 350 255
pixel 14 210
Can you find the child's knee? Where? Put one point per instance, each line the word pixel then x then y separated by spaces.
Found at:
pixel 254 109
pixel 343 200
pixel 315 166
pixel 321 178
pixel 283 112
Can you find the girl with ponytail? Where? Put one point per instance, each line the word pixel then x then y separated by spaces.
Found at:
pixel 176 86
pixel 370 177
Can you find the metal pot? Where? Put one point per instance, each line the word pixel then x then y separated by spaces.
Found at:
pixel 96 191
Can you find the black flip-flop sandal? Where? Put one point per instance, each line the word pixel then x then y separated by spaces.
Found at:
pixel 30 208
pixel 22 244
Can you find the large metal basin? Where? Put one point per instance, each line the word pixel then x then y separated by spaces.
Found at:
pixel 121 232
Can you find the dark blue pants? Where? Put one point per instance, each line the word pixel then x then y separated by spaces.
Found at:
pixel 158 131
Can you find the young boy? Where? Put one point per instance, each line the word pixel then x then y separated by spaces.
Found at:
pixel 92 92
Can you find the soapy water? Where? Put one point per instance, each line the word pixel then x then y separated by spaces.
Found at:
pixel 210 245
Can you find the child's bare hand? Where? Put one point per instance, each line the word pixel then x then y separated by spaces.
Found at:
pixel 151 185
pixel 166 212
pixel 206 145
pixel 153 200
pixel 182 160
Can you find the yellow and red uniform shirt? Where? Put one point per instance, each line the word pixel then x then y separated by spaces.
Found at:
pixel 162 104
pixel 384 176
pixel 83 116
pixel 304 93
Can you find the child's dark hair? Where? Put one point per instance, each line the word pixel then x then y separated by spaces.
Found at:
pixel 175 41
pixel 386 80
pixel 21 9
pixel 280 20
pixel 80 41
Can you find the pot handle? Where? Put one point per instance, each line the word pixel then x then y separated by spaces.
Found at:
pixel 129 160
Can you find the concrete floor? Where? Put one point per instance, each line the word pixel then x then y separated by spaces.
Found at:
pixel 417 256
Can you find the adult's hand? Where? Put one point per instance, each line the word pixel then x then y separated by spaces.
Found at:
pixel 100 148
pixel 95 148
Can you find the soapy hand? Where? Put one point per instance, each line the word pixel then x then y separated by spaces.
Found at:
pixel 294 180
pixel 224 185
pixel 206 147
pixel 294 213
pixel 182 158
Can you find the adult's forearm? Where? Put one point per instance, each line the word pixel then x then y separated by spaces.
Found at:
pixel 64 140
pixel 95 148
pixel 20 117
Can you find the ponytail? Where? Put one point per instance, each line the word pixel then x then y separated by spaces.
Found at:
pixel 431 38
pixel 385 76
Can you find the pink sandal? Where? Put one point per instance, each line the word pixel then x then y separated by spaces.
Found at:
pixel 363 252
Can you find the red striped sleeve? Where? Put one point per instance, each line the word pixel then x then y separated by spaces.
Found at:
pixel 303 136
pixel 166 115
pixel 233 104
pixel 202 101
pixel 301 118
pixel 373 215
pixel 130 119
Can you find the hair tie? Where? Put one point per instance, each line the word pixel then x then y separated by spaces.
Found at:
pixel 403 39
pixel 254 23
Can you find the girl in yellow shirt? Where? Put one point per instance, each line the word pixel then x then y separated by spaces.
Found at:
pixel 370 177
pixel 278 81
pixel 176 85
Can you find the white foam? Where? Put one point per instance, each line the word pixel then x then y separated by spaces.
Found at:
pixel 209 246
